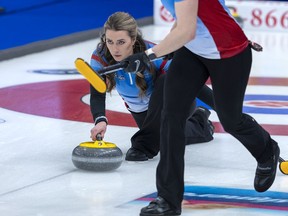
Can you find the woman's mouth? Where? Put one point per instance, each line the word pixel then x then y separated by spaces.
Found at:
pixel 118 57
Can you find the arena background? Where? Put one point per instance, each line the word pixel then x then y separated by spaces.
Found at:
pixel 44 115
pixel 35 25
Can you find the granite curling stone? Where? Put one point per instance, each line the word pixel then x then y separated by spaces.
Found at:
pixel 97 156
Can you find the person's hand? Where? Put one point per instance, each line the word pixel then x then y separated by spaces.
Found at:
pixel 137 62
pixel 255 46
pixel 99 128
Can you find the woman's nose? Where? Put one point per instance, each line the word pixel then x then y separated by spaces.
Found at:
pixel 115 48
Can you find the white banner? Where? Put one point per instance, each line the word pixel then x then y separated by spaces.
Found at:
pixel 262 15
pixel 256 15
pixel 161 15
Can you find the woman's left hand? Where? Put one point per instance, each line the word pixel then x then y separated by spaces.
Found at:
pixel 137 62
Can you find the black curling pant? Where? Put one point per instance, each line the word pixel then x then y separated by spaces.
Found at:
pixel 187 74
pixel 147 139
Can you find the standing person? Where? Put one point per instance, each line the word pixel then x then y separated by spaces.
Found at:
pixel 142 92
pixel 207 42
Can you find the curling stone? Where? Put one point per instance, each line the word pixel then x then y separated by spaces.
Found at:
pixel 283 166
pixel 97 156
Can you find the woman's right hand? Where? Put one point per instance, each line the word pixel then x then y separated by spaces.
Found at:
pixel 99 128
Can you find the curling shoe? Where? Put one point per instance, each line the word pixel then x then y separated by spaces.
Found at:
pixel 211 127
pixel 135 155
pixel 204 110
pixel 266 172
pixel 159 207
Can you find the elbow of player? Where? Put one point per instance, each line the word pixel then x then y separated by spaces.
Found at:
pixel 189 36
pixel 185 35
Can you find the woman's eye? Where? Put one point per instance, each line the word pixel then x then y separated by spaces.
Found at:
pixel 121 42
pixel 109 42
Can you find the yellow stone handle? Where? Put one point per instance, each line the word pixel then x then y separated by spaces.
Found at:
pixel 98 144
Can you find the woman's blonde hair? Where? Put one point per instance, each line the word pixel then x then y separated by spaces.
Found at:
pixel 121 21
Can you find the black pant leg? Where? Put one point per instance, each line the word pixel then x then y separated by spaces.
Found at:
pixel 198 129
pixel 185 78
pixel 147 139
pixel 139 118
pixel 229 103
pixel 206 95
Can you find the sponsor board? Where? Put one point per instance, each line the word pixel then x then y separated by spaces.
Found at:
pixel 254 15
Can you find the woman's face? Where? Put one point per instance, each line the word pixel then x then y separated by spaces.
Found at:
pixel 119 43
